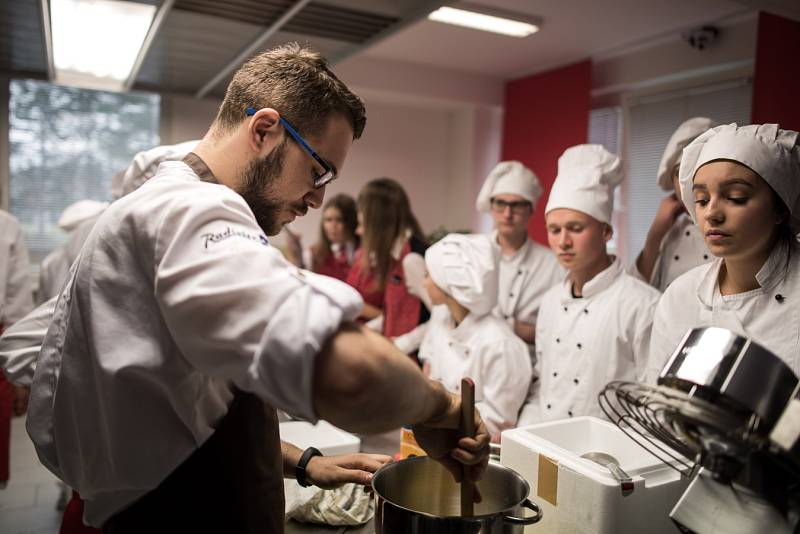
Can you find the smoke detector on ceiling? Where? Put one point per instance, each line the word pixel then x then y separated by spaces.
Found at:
pixel 702 37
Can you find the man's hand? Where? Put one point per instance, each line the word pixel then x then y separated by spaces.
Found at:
pixel 328 472
pixel 19 399
pixel 443 440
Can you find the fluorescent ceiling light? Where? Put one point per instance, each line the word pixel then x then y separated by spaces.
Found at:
pixel 483 21
pixel 95 42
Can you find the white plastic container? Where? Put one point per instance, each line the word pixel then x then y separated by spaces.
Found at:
pixel 578 496
pixel 324 436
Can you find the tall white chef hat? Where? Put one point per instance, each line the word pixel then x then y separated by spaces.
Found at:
pixel 685 134
pixel 509 178
pixel 587 175
pixel 770 152
pixel 145 163
pixel 78 212
pixel 465 267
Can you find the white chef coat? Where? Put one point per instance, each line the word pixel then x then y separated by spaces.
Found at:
pixel 524 277
pixel 769 315
pixel 485 349
pixel 20 343
pixel 55 266
pixel 682 249
pixel 16 297
pixel 584 343
pixel 176 296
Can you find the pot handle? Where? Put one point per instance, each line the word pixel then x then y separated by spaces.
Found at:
pixel 530 505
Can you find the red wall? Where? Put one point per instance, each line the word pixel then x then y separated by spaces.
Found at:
pixel 776 84
pixel 544 115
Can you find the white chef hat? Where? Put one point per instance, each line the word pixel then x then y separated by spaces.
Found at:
pixel 685 134
pixel 770 152
pixel 587 175
pixel 145 163
pixel 509 178
pixel 78 212
pixel 465 267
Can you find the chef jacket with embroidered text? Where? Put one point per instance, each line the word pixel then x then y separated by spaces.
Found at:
pixel 584 343
pixel 175 298
pixel 769 315
pixel 16 297
pixel 525 277
pixel 682 249
pixel 485 349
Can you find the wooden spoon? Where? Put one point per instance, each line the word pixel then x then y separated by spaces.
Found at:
pixel 468 426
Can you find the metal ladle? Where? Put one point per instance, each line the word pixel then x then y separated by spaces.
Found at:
pixel 611 463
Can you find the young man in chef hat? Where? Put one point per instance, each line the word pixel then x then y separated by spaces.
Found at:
pixel 464 339
pixel 527 269
pixel 674 244
pixel 594 327
pixel 741 185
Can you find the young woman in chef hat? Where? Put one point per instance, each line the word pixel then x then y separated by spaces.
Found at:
pixel 464 339
pixel 742 187
pixel 595 326
pixel 674 244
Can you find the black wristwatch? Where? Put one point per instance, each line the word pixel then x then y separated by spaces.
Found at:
pixel 300 468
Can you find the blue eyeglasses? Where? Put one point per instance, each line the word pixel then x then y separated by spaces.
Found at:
pixel 320 180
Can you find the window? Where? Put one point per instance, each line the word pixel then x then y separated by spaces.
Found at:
pixel 66 143
pixel 651 122
pixel 605 129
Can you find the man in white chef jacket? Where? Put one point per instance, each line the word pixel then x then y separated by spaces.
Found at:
pixel 674 245
pixel 180 329
pixel 527 269
pixel 594 327
pixel 464 339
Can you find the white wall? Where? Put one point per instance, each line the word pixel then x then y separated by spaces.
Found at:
pixel 184 117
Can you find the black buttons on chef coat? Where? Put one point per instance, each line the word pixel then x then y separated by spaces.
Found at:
pixel 555 374
pixel 780 298
pixel 677 257
pixel 519 272
pixel 575 380
pixel 511 294
pixel 565 308
pixel 579 345
pixel 586 311
pixel 705 256
pixel 558 340
pixel 506 317
pixel 687 233
pixel 569 413
pixel 548 406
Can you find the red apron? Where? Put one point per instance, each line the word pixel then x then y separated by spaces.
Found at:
pixel 364 282
pixel 336 266
pixel 401 310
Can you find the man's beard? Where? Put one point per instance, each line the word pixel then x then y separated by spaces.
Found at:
pixel 258 178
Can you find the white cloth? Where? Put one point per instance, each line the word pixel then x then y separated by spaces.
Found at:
pixel 486 350
pixel 524 278
pixel 584 343
pixel 465 267
pixel 145 163
pixel 772 153
pixel 20 344
pixel 509 178
pixel 587 176
pixel 16 297
pixel 176 297
pixel 685 134
pixel 78 212
pixel 694 300
pixel 348 505
pixel 682 249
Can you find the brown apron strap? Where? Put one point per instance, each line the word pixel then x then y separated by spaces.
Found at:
pixel 200 168
pixel 232 483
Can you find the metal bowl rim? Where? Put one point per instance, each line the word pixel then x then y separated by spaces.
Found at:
pixel 441 517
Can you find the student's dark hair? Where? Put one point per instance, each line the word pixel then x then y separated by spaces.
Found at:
pixel 294 80
pixel 385 216
pixel 347 209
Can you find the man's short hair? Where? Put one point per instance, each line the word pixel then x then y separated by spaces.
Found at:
pixel 294 80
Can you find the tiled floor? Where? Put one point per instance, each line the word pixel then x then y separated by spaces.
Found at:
pixel 28 503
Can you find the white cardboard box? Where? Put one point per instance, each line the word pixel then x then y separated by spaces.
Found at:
pixel 578 496
pixel 324 436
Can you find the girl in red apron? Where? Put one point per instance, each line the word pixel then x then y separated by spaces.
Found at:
pixel 389 232
pixel 334 252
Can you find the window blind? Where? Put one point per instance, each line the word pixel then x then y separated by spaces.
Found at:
pixel 651 122
pixel 65 145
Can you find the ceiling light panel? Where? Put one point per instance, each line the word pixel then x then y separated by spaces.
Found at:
pixel 482 19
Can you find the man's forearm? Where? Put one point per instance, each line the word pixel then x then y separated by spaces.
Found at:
pixel 291 455
pixel 363 383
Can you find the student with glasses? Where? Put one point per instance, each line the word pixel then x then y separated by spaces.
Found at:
pixel 527 269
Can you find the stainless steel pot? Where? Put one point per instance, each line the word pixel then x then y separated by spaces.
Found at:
pixel 419 496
